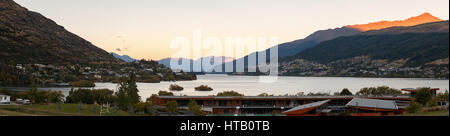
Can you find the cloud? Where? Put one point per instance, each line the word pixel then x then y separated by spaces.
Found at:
pixel 125 44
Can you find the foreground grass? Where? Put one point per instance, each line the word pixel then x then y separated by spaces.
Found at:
pixel 53 110
pixel 431 113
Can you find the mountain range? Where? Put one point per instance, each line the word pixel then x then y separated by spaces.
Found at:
pixel 29 37
pixel 190 68
pixel 419 45
pixel 298 46
pixel 125 58
pixel 423 18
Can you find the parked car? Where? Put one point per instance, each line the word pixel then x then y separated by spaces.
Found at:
pixel 23 101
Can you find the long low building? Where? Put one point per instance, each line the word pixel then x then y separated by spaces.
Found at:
pixel 4 99
pixel 255 105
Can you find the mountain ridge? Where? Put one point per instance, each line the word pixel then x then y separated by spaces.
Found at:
pixel 412 21
pixel 125 58
pixel 166 62
pixel 292 48
pixel 29 37
pixel 429 39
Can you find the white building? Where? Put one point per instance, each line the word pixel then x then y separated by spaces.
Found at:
pixel 5 99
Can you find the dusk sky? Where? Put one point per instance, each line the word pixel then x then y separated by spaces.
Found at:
pixel 145 28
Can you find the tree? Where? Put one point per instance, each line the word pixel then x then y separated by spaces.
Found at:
pixel 194 108
pixel 443 96
pixel 345 92
pixel 378 91
pixel 127 95
pixel 172 107
pixel 274 113
pixel 318 94
pixel 446 96
pixel 423 96
pixel 33 94
pixel 432 102
pixel 88 96
pixel 264 95
pixel 54 96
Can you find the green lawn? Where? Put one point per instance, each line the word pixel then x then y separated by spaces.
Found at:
pixel 53 110
pixel 432 113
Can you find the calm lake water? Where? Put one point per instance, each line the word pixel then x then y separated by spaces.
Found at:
pixel 250 85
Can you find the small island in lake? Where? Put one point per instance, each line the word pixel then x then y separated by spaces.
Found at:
pixel 203 88
pixel 174 87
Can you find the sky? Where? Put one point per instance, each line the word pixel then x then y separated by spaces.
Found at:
pixel 145 28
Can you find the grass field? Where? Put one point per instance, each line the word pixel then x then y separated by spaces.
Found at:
pixel 431 113
pixel 53 110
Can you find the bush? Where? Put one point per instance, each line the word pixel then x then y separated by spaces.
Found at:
pixel 172 107
pixel 229 93
pixel 203 88
pixel 39 97
pixel 165 93
pixel 88 96
pixel 414 107
pixel 443 96
pixel 432 102
pixel 6 92
pixel 318 94
pixel 82 83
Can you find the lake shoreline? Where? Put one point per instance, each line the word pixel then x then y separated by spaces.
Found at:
pixel 252 86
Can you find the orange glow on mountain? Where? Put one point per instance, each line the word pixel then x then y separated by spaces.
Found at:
pixel 421 19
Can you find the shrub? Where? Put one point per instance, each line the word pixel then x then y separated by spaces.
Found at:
pixel 39 97
pixel 172 107
pixel 165 93
pixel 265 95
pixel 194 108
pixel 229 93
pixel 88 96
pixel 414 107
pixel 318 94
pixel 432 102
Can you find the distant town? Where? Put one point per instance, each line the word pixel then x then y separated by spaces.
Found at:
pixel 57 75
pixel 364 66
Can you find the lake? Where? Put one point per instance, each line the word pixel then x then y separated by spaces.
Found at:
pixel 250 85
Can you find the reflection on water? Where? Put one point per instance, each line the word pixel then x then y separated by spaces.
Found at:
pixel 250 85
